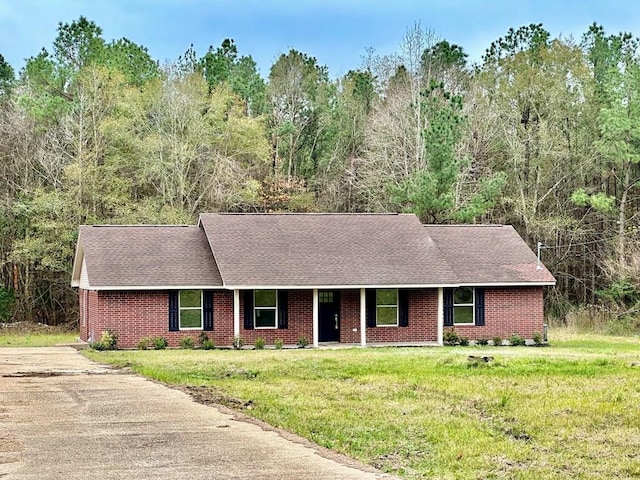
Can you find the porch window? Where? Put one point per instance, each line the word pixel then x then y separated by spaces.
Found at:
pixel 387 307
pixel 463 306
pixel 190 309
pixel 265 308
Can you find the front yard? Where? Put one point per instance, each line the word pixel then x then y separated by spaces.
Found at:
pixel 565 411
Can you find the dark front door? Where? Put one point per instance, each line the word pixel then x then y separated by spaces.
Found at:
pixel 328 316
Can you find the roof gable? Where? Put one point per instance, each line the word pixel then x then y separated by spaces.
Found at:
pixel 308 250
pixel 146 256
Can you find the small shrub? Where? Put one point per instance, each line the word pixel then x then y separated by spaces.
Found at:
pixel 537 338
pixel 143 344
pixel 238 343
pixel 464 342
pixel 517 340
pixel 302 342
pixel 259 343
pixel 207 344
pixel 203 337
pixel 497 340
pixel 279 343
pixel 450 337
pixel 108 341
pixel 187 343
pixel 482 341
pixel 160 343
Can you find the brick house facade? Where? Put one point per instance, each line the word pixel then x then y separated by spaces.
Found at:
pixel 143 314
pixel 178 281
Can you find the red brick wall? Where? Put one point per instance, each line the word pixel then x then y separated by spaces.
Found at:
pixel 507 311
pixel 135 315
pixel 300 303
pixel 423 321
pixel 350 316
pixel 87 304
pixel 143 314
pixel 222 318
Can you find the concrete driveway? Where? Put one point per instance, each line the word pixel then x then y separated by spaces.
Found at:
pixel 65 417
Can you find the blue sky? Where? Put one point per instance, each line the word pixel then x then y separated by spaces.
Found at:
pixel 336 32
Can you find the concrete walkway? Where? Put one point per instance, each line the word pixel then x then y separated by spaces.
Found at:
pixel 65 417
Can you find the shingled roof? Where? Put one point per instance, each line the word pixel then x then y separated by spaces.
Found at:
pixel 304 251
pixel 307 250
pixel 488 254
pixel 145 256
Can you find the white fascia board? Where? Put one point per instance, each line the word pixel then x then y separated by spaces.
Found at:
pixel 508 284
pixel 155 287
pixel 353 287
pixel 311 287
pixel 331 287
pixel 77 264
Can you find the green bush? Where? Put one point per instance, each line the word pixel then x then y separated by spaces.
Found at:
pixel 160 343
pixel 450 337
pixel 482 341
pixel 516 340
pixel 108 341
pixel 303 342
pixel 238 343
pixel 207 344
pixel 259 343
pixel 187 343
pixel 203 337
pixel 6 304
pixel 537 338
pixel 464 342
pixel 497 340
pixel 279 343
pixel 143 344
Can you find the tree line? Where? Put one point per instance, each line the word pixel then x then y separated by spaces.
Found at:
pixel 543 133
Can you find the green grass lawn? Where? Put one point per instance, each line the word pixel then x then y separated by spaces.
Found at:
pixel 571 410
pixel 28 335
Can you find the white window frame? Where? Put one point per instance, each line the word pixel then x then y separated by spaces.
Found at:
pixel 472 305
pixel 181 308
pixel 387 306
pixel 256 308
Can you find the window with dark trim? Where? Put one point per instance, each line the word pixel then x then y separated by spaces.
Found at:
pixel 265 308
pixel 463 306
pixel 190 309
pixel 387 307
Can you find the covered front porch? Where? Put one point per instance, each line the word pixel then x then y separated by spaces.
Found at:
pixel 331 317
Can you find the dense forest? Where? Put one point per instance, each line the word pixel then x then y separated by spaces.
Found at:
pixel 543 133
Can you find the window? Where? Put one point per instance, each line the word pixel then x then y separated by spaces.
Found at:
pixel 265 307
pixel 190 309
pixel 387 307
pixel 325 297
pixel 463 306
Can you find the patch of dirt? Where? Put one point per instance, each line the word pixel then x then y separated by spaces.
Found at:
pixel 209 396
pixel 9 447
pixel 54 373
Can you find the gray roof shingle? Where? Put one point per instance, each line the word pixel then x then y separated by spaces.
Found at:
pixel 486 254
pixel 306 250
pixel 148 256
pixel 323 250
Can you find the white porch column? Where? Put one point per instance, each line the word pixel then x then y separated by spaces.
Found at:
pixel 236 313
pixel 363 318
pixel 315 317
pixel 440 315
